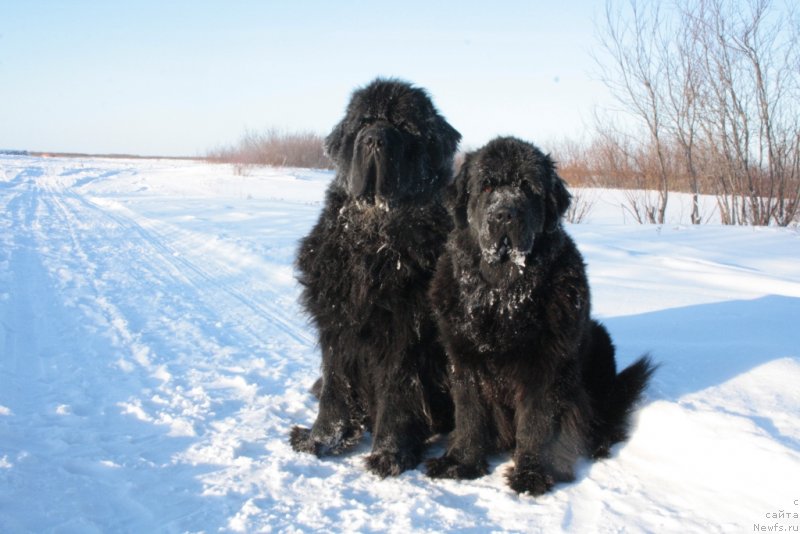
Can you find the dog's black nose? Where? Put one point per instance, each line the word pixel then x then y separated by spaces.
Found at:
pixel 504 215
pixel 374 137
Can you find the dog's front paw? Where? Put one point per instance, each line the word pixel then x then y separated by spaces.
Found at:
pixel 448 467
pixel 531 480
pixel 386 463
pixel 323 444
pixel 300 439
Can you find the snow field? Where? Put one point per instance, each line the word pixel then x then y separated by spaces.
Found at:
pixel 153 357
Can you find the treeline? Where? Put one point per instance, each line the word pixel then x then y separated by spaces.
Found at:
pixel 713 91
pixel 273 147
pixel 710 99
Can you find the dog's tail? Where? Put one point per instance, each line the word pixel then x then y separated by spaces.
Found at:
pixel 615 395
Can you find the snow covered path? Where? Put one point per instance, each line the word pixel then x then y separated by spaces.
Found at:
pixel 122 338
pixel 153 357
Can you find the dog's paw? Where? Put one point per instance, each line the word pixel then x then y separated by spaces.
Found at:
pixel 301 441
pixel 345 443
pixel 530 480
pixel 307 440
pixel 448 467
pixel 386 463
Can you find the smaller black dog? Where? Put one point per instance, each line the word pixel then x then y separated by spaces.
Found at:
pixel 529 369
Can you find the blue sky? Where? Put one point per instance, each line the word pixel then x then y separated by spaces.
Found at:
pixel 177 78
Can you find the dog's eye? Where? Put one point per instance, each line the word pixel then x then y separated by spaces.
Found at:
pixel 487 186
pixel 525 187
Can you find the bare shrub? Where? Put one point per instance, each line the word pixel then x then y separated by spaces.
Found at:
pixel 273 147
pixel 634 68
pixel 714 89
pixel 583 201
pixel 750 56
pixel 573 161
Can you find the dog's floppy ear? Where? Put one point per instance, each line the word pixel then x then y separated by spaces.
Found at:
pixel 558 200
pixel 334 141
pixel 442 146
pixel 449 137
pixel 457 194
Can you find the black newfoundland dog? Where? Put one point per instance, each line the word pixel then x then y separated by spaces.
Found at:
pixel 366 268
pixel 530 371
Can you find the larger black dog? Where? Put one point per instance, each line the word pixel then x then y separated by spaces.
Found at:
pixel 365 269
pixel 530 370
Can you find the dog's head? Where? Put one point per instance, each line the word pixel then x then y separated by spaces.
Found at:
pixel 392 145
pixel 508 195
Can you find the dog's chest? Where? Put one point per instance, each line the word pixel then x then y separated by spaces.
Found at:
pixel 496 318
pixel 379 269
pixel 378 264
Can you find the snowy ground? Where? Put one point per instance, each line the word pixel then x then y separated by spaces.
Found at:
pixel 153 358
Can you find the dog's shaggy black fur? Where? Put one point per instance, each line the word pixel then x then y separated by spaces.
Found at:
pixel 365 269
pixel 530 371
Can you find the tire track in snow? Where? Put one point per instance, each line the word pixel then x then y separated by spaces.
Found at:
pixel 177 337
pixel 235 440
pixel 71 460
pixel 192 350
pixel 23 351
pixel 176 247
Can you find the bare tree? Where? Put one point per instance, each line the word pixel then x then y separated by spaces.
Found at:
pixel 715 86
pixel 750 54
pixel 683 78
pixel 636 77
